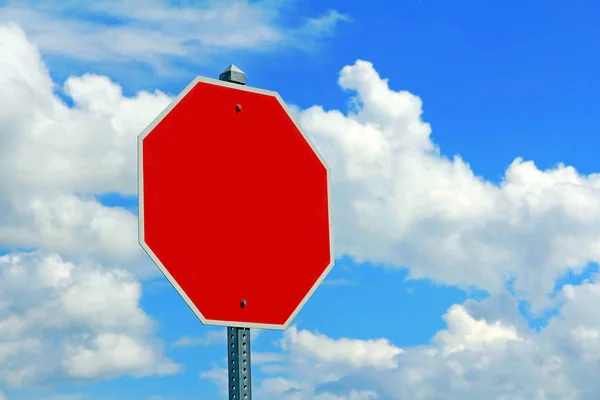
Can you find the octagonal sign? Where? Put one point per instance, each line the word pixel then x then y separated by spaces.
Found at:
pixel 234 205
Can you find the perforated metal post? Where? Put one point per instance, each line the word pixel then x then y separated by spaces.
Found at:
pixel 238 344
pixel 238 339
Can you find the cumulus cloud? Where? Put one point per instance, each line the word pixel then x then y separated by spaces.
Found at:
pixel 70 225
pixel 472 358
pixel 465 332
pixel 398 200
pixel 70 309
pixel 48 146
pixel 61 319
pixel 53 157
pixel 344 352
pixel 310 359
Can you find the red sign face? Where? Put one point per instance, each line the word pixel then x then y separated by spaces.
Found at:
pixel 234 205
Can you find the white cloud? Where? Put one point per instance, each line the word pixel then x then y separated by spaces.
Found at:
pixel 213 336
pixel 59 318
pixel 219 377
pixel 326 22
pixel 209 338
pixel 48 146
pixel 270 388
pixel 152 30
pixel 114 354
pixel 398 201
pixel 339 282
pixel 353 395
pixel 51 155
pixel 466 333
pixel 473 358
pixel 74 316
pixel 312 359
pixel 374 353
pixel 70 225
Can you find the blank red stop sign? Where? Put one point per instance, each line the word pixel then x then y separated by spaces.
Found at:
pixel 234 205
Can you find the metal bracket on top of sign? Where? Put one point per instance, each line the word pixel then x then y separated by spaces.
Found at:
pixel 238 339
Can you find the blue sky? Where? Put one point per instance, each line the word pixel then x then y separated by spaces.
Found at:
pixel 498 81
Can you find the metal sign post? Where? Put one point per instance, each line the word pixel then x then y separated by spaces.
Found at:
pixel 238 357
pixel 238 339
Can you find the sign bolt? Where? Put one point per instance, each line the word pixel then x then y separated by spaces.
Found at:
pixel 238 107
pixel 243 303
